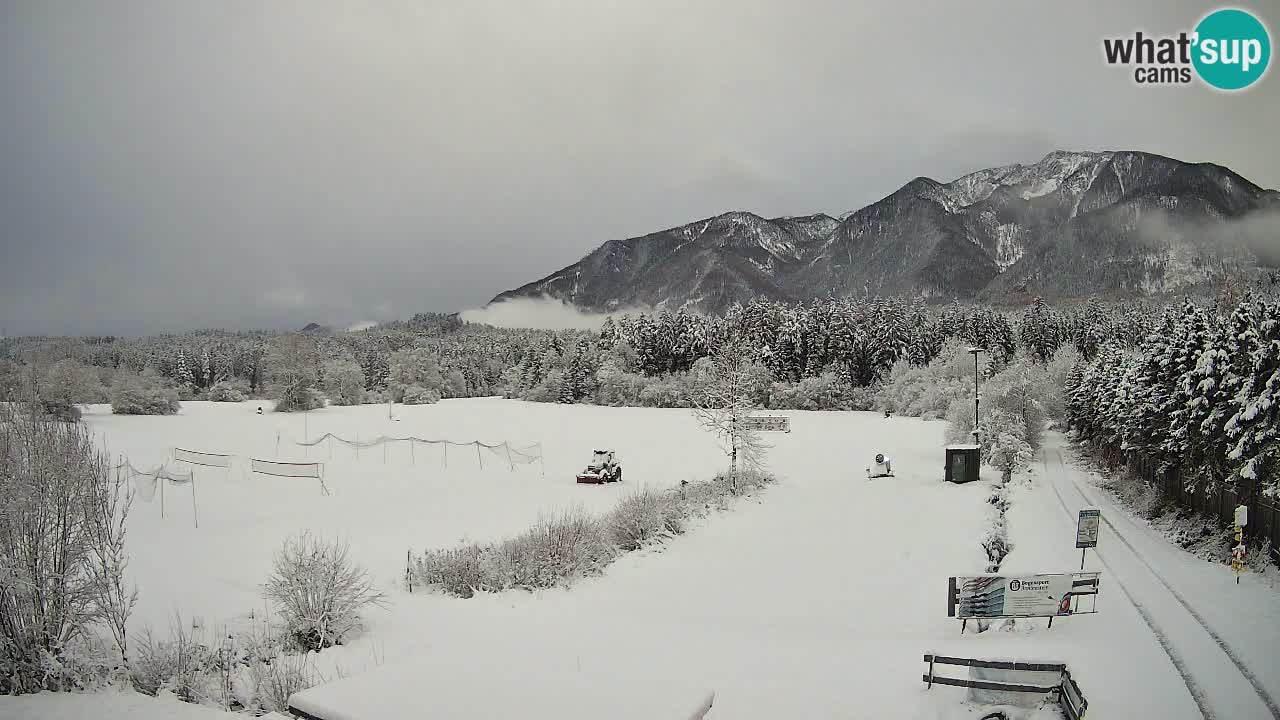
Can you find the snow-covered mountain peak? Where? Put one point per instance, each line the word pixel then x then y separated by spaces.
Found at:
pixel 1027 181
pixel 1065 225
pixel 747 230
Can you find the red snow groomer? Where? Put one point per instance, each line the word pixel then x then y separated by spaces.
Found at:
pixel 603 468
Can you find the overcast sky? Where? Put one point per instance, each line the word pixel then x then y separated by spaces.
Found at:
pixel 171 165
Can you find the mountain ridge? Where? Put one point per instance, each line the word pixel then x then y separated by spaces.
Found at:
pixel 1074 223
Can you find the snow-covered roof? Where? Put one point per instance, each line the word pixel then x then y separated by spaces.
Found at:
pixel 566 688
pixel 964 447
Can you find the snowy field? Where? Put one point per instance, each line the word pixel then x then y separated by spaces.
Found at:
pixel 384 500
pixel 816 599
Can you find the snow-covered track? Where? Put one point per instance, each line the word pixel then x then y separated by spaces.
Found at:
pixel 1222 684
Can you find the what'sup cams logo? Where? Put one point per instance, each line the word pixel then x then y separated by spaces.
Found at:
pixel 1228 50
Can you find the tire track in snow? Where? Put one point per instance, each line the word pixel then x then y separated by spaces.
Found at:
pixel 1226 648
pixel 1175 657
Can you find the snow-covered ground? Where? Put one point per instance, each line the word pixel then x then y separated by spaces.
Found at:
pixel 384 500
pixel 816 599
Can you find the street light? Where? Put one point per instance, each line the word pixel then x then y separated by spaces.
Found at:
pixel 974 351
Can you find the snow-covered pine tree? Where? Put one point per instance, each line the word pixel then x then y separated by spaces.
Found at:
pixel 1191 338
pixel 182 373
pixel 1091 329
pixel 1194 441
pixel 1037 331
pixel 205 377
pixel 1241 343
pixel 1074 391
pixel 1256 422
pixel 608 334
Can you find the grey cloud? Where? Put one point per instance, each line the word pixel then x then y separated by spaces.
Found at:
pixel 174 165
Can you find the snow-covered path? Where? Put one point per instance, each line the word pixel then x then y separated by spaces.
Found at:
pixel 1224 638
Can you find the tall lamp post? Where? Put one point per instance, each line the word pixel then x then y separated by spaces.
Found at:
pixel 974 351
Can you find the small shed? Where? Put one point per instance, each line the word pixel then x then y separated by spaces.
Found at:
pixel 963 462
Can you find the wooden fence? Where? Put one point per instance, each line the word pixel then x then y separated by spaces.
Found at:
pixel 1064 688
pixel 1264 516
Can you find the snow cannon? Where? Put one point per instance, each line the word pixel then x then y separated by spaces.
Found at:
pixel 882 467
pixel 603 468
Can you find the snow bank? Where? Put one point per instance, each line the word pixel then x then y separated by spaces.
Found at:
pixel 108 705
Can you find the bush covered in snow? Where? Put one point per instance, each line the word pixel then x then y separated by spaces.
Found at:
pixel 319 590
pixel 960 420
pixel 180 664
pixel 671 391
pixel 929 391
pixel 1017 391
pixel 242 670
pixel 415 377
pixel 416 395
pixel 229 391
pixel 145 394
pixel 62 517
pixel 644 516
pixel 823 392
pixel 68 383
pixel 1004 446
pixel 344 382
pixel 573 544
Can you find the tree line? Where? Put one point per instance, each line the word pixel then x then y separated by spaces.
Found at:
pixel 1200 392
pixel 820 354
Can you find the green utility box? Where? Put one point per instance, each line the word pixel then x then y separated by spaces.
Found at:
pixel 963 462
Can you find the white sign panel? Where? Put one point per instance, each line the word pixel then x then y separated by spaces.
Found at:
pixel 996 596
pixel 1087 528
pixel 302 470
pixel 769 423
pixel 199 458
pixel 1242 515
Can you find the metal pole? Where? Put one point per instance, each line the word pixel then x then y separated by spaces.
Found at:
pixel 195 514
pixel 975 394
pixel 1082 558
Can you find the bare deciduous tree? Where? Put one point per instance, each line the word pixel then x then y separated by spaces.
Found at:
pixel 723 397
pixel 293 367
pixel 62 518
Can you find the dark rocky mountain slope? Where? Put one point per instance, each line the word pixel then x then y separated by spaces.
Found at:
pixel 1071 225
